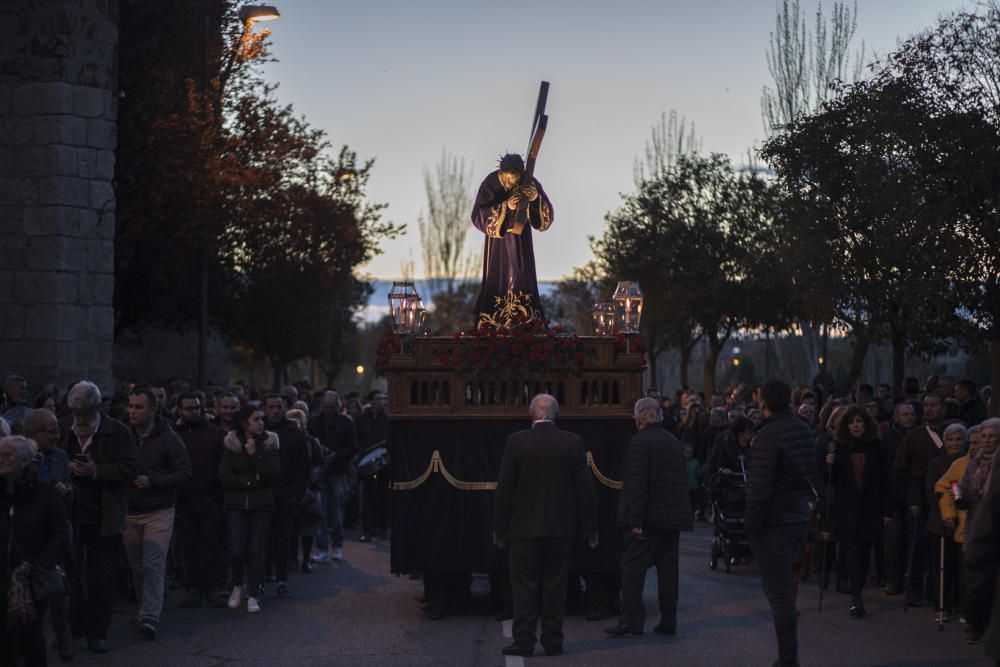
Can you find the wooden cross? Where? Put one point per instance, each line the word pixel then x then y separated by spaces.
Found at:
pixel 538 126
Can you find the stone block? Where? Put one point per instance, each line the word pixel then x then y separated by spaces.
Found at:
pixel 102 196
pixel 6 160
pixel 44 98
pixel 18 191
pixel 54 322
pixel 6 289
pixel 16 130
pixel 101 323
pixel 64 191
pixel 12 324
pixel 5 96
pixel 61 129
pixel 12 251
pixel 89 102
pixel 105 165
pixel 61 160
pixel 101 134
pixel 100 257
pixel 52 221
pixel 105 226
pixel 10 220
pixel 45 287
pixel 56 253
pixel 23 354
pixel 86 163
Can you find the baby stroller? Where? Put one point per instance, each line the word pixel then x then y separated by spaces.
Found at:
pixel 729 503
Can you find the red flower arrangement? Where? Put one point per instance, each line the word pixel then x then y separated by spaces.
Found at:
pixel 527 345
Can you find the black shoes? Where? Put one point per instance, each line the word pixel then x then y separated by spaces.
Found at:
pixel 97 645
pixel 857 608
pixel 892 590
pixel 623 631
pixel 665 630
pixel 520 650
pixel 282 589
pixel 147 629
pixel 553 650
pixel 973 636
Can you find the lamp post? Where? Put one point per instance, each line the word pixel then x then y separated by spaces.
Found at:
pixel 249 14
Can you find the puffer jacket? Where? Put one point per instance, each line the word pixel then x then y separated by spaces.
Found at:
pixel 248 480
pixel 782 459
pixel 655 489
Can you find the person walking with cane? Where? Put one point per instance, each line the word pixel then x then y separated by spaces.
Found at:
pixel 955 438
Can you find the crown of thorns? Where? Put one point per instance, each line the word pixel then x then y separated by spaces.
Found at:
pixel 512 162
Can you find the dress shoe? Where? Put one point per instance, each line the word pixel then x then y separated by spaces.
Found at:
pixel 665 630
pixel 65 647
pixel 282 589
pixel 148 630
pixel 97 645
pixel 553 650
pixel 857 608
pixel 518 649
pixel 623 631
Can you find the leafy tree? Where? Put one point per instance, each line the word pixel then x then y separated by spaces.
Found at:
pixel 698 239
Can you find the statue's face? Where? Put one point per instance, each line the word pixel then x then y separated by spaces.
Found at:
pixel 508 179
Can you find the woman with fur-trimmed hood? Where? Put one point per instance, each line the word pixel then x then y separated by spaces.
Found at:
pixel 249 469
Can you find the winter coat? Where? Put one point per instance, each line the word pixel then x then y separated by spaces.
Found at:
pixel 294 456
pixel 203 442
pixel 164 459
pixel 654 489
pixel 937 468
pixel 339 438
pixel 910 469
pixel 40 527
pixel 981 562
pixel 857 511
pixel 248 480
pixel 782 460
pixel 946 503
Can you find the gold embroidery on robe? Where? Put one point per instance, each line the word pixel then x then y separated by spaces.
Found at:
pixel 494 224
pixel 544 214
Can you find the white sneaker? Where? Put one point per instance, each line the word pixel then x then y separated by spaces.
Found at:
pixel 235 597
pixel 321 557
pixel 338 553
pixel 252 606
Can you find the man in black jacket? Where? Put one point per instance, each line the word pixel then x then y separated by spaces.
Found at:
pixel 103 464
pixel 163 467
pixel 903 419
pixel 293 451
pixel 982 566
pixel 544 492
pixel 200 514
pixel 973 409
pixel 782 458
pixel 653 511
pixel 339 438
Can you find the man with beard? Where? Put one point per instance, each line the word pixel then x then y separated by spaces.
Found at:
pixel 200 514
pixel 509 282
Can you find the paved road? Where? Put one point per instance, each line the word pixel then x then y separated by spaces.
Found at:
pixel 356 613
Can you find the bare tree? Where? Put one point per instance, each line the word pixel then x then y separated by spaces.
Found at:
pixel 671 138
pixel 804 64
pixel 443 230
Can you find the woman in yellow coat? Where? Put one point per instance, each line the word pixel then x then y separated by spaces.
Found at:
pixel 954 520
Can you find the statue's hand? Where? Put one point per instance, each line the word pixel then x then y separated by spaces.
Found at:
pixel 513 201
pixel 529 191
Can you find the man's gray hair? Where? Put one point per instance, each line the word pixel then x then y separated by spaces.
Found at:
pixel 993 423
pixel 957 428
pixel 84 396
pixel 544 407
pixel 647 411
pixel 24 448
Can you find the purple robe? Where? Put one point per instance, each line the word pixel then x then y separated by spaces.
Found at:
pixel 508 259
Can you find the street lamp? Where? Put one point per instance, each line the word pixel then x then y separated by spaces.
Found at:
pixel 252 13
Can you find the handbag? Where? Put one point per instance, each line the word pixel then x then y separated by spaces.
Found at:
pixel 310 502
pixel 47 583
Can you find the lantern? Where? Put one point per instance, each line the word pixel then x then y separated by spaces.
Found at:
pixel 405 309
pixel 603 318
pixel 627 307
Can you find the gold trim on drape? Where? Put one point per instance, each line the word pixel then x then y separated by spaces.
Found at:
pixel 437 466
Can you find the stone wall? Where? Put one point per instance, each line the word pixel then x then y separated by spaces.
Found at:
pixel 58 61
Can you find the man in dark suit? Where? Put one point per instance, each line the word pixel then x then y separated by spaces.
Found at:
pixel 544 493
pixel 653 509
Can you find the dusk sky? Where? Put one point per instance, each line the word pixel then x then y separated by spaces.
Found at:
pixel 401 81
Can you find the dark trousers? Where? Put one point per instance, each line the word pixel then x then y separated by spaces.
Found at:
pixel 952 573
pixel 895 550
pixel 916 527
pixel 775 549
pixel 26 643
pixel 858 556
pixel 375 504
pixel 97 562
pixel 603 592
pixel 281 532
pixel 658 548
pixel 202 534
pixel 538 572
pixel 248 531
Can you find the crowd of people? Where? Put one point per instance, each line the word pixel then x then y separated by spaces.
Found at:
pixel 219 492
pixel 894 480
